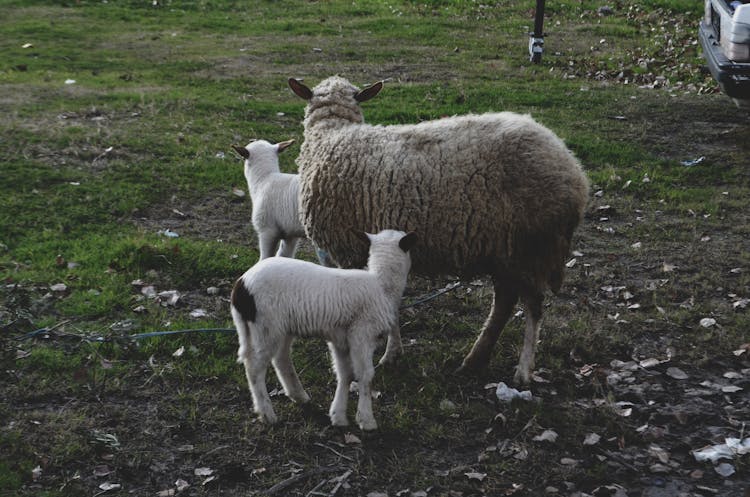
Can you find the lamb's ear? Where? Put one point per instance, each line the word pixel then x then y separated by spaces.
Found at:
pixel 369 92
pixel 300 90
pixel 408 241
pixel 361 236
pixel 242 151
pixel 281 146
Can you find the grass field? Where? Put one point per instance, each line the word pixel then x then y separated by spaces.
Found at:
pixel 117 120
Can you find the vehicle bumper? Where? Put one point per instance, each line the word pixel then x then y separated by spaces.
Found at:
pixel 733 77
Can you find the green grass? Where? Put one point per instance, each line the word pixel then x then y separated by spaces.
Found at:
pixel 92 171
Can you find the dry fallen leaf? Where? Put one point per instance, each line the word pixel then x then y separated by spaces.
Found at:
pixel 725 469
pixel 181 485
pixel 659 468
pixel 659 453
pixel 351 438
pixel 649 363
pixel 546 436
pixel 591 439
pixel 677 374
pixel 198 313
pixel 667 267
pixel 110 486
pixel 515 487
pixel 731 389
pixel 475 476
pixel 707 322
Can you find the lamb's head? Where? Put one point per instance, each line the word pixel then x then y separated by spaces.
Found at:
pixel 389 254
pixel 261 156
pixel 332 99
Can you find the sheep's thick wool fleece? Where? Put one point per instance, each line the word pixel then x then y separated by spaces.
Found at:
pixel 487 194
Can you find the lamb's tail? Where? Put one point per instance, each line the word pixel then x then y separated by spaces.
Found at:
pixel 244 312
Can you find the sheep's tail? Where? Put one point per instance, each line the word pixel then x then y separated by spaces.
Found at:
pixel 244 312
pixel 562 252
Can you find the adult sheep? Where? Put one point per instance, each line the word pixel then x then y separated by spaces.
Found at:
pixel 493 194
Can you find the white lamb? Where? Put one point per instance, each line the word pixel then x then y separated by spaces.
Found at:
pixel 279 299
pixel 275 198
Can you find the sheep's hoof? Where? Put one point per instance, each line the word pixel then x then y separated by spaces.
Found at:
pixel 389 358
pixel 472 366
pixel 269 418
pixel 522 377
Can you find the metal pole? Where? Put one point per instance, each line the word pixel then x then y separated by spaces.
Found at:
pixel 536 39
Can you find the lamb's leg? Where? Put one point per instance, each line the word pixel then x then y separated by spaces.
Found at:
pixel 393 347
pixel 267 243
pixel 533 311
pixel 343 367
pixel 361 354
pixel 288 247
pixel 502 308
pixel 256 365
pixel 286 373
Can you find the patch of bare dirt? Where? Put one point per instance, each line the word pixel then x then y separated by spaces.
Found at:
pixel 220 216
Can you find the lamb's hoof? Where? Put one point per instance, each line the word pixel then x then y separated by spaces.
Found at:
pixel 300 397
pixel 367 425
pixel 339 420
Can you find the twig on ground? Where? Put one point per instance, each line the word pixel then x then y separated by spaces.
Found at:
pixel 215 449
pixel 334 451
pixel 293 480
pixel 422 300
pixel 314 491
pixel 341 479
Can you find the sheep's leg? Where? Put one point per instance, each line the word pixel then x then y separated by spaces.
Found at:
pixel 324 257
pixel 343 367
pixel 267 243
pixel 503 304
pixel 256 365
pixel 361 356
pixel 533 310
pixel 288 247
pixel 286 373
pixel 393 346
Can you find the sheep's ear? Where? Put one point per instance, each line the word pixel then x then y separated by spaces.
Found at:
pixel 361 236
pixel 242 151
pixel 300 90
pixel 281 146
pixel 369 92
pixel 407 241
